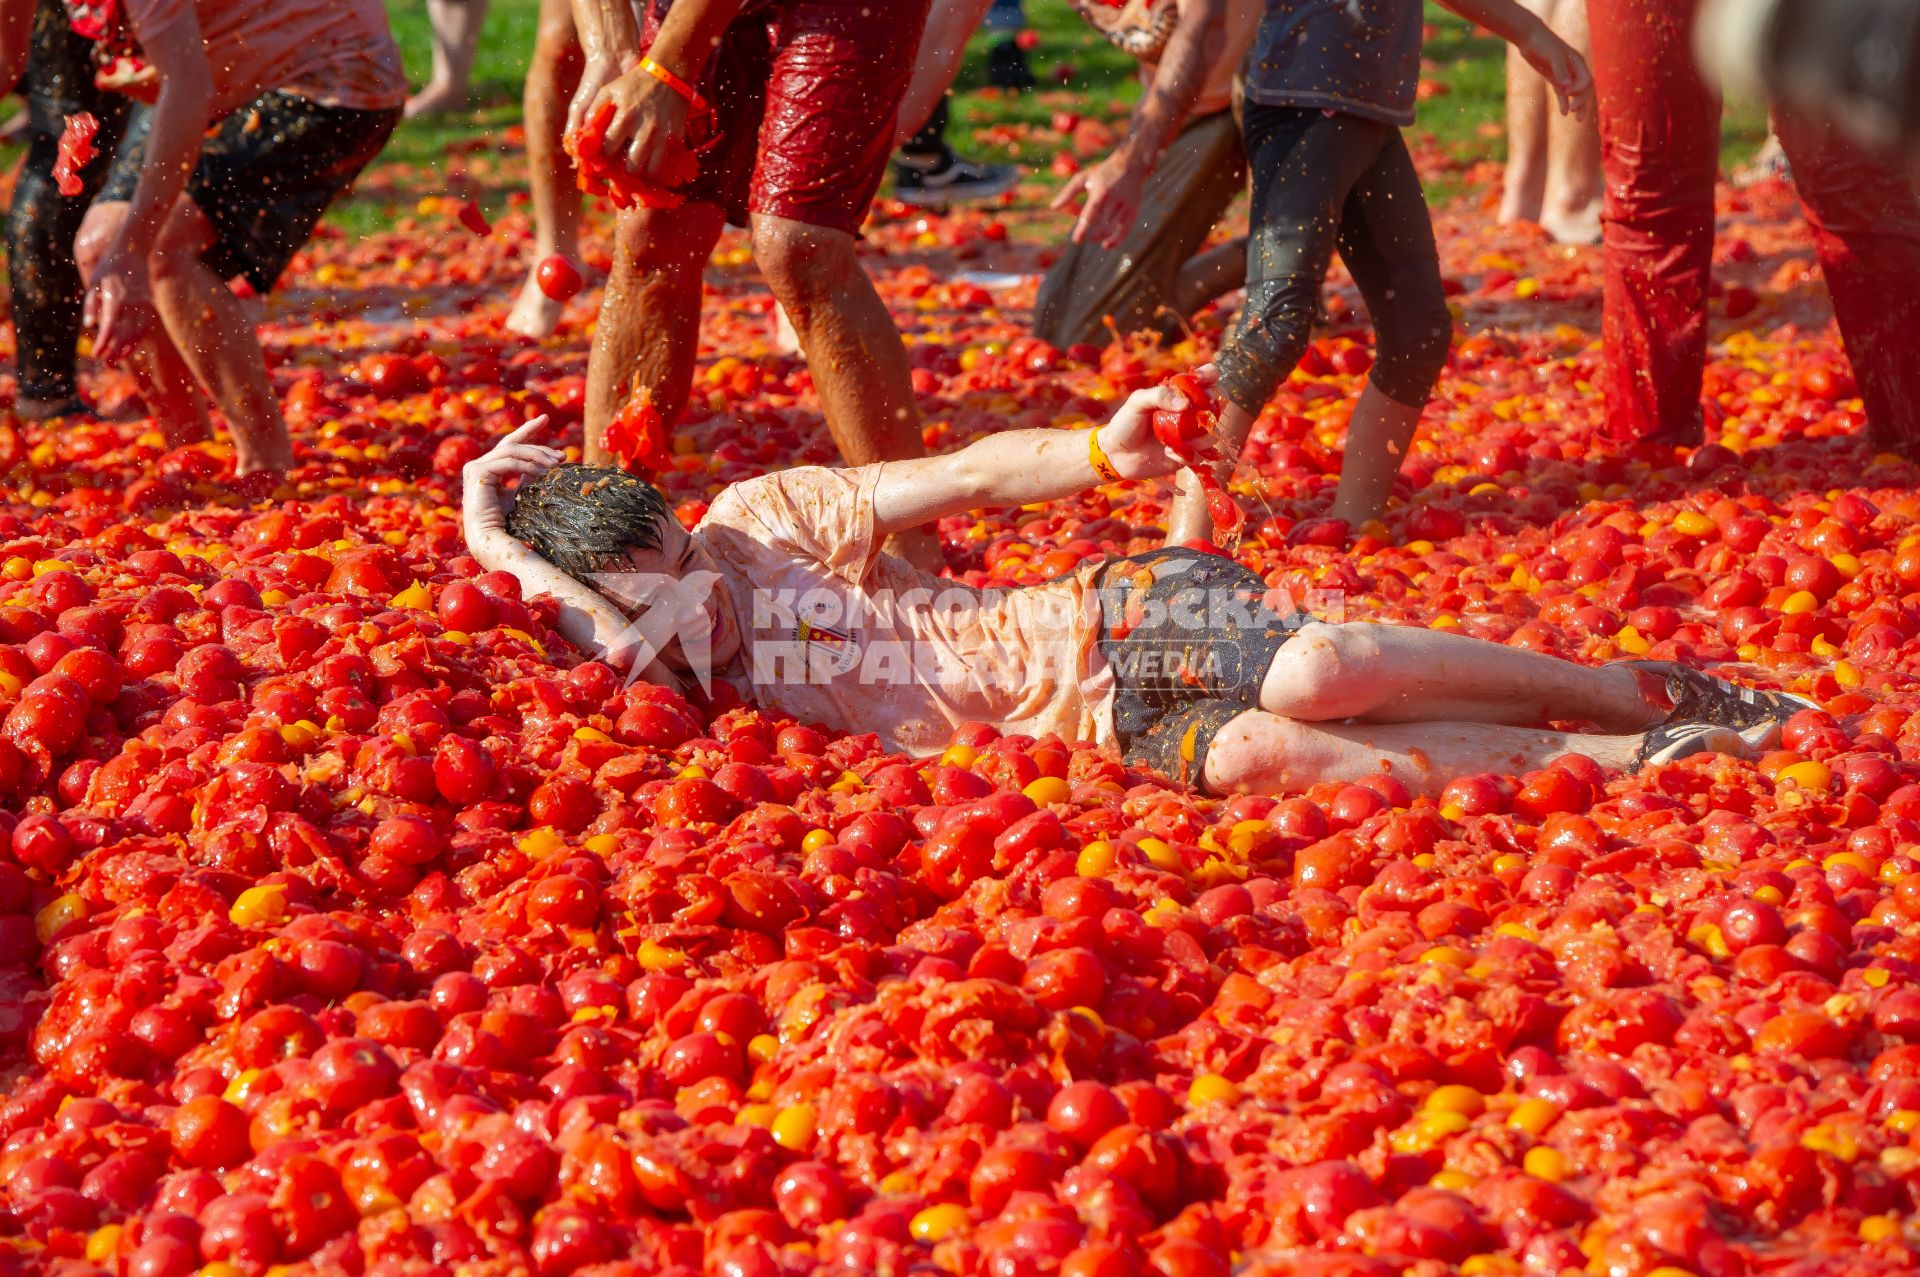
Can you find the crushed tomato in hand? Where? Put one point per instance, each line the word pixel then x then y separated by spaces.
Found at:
pixel 1189 434
pixel 607 177
pixel 76 152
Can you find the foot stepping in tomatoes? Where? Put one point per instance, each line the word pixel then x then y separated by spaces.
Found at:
pixel 1671 742
pixel 1699 697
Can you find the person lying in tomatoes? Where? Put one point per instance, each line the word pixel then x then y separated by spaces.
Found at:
pixel 1179 659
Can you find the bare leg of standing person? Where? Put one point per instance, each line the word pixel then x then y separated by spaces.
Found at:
pixel 551 79
pixel 1529 104
pixel 853 348
pixel 165 380
pixel 1570 205
pixel 456 35
pixel 215 336
pixel 649 329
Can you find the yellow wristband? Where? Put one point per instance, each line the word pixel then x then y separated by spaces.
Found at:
pixel 1101 466
pixel 674 82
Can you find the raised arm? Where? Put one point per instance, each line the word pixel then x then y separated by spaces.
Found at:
pixel 588 620
pixel 120 304
pixel 1557 61
pixel 1113 186
pixel 1020 467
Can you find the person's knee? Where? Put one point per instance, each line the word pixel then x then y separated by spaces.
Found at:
pixel 1257 753
pixel 802 264
pixel 1276 323
pixel 1325 672
pixel 647 246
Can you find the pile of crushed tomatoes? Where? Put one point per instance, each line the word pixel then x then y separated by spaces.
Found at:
pixel 351 923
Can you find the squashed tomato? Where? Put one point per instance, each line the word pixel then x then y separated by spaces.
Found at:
pixel 350 921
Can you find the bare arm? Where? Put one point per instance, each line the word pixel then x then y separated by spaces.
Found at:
pixel 118 306
pixel 16 39
pixel 1558 62
pixel 950 23
pixel 588 620
pixel 1113 187
pixel 1021 467
pixel 609 41
pixel 1184 68
pixel 647 118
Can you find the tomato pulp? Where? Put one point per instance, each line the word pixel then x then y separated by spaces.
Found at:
pixel 1190 434
pixel 76 152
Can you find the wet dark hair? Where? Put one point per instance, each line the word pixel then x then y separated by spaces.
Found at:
pixel 584 519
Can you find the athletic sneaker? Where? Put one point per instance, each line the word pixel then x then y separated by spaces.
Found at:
pixel 1699 697
pixel 1671 742
pixel 950 180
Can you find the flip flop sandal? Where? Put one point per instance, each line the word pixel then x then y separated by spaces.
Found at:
pixel 1700 697
pixel 1671 742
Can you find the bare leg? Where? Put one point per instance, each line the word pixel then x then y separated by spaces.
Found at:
pixel 456 34
pixel 214 334
pixel 1570 208
pixel 650 315
pixel 1401 674
pixel 1529 103
pixel 551 80
pixel 1261 753
pixel 1378 434
pixel 1211 275
pixel 165 381
pixel 854 352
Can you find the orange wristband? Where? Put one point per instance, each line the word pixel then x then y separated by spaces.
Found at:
pixel 1101 465
pixel 674 82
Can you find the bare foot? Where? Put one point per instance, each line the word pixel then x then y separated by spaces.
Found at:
pixel 438 99
pixel 534 314
pixel 270 463
pixel 1573 226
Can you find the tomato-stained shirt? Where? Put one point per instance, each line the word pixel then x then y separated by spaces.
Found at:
pixel 835 632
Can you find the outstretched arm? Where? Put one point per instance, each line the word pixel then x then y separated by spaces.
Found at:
pixel 1557 61
pixel 1020 467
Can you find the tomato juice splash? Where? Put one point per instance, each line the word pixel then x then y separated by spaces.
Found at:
pixel 1191 434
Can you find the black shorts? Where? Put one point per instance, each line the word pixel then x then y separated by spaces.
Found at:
pixel 1189 637
pixel 267 174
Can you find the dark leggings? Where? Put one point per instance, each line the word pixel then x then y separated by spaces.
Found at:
pixel 41 225
pixel 1322 182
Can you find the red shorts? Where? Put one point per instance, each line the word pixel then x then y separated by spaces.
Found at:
pixel 806 93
